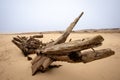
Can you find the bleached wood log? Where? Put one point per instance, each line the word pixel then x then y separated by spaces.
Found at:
pixel 98 54
pixel 64 36
pixel 86 56
pixel 78 45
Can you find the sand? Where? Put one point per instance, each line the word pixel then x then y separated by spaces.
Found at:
pixel 14 66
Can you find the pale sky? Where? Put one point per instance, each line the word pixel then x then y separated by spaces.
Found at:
pixel 51 15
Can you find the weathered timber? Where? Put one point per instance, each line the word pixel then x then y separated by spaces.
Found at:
pixel 21 46
pixel 46 63
pixel 23 39
pixel 28 45
pixel 38 65
pixel 86 56
pixel 37 58
pixel 98 54
pixel 33 43
pixel 17 39
pixel 61 39
pixel 58 50
pixel 77 45
pixel 37 36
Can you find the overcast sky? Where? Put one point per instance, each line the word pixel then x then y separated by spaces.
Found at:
pixel 51 15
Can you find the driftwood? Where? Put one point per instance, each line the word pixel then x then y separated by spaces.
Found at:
pixel 28 45
pixel 85 57
pixel 61 39
pixel 59 50
pixel 77 45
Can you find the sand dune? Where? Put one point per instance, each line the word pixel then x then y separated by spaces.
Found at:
pixel 14 66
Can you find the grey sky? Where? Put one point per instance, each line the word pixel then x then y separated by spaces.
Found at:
pixel 47 15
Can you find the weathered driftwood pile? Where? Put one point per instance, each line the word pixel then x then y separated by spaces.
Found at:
pixel 59 50
pixel 28 45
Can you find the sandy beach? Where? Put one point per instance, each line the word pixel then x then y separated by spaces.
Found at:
pixel 14 66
